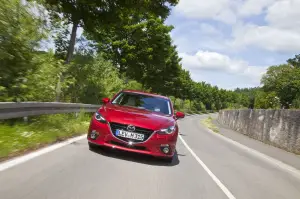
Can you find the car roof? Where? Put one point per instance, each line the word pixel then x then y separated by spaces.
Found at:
pixel 145 93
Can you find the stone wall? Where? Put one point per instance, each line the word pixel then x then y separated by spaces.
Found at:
pixel 279 128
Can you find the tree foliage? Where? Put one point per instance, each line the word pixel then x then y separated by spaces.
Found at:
pixel 101 13
pixel 295 61
pixel 284 80
pixel 96 15
pixel 20 34
pixel 41 84
pixel 142 50
pixel 266 100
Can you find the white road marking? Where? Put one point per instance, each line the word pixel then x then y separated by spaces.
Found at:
pixel 215 179
pixel 293 171
pixel 22 159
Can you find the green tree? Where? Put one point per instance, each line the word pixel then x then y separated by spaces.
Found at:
pixel 20 36
pixel 101 13
pixel 246 96
pixel 295 61
pixel 42 83
pixel 178 104
pixel 97 15
pixel 185 84
pixel 187 106
pixel 266 100
pixel 296 102
pixel 199 106
pixel 285 81
pixel 95 78
pixel 60 32
pixel 134 85
pixel 143 50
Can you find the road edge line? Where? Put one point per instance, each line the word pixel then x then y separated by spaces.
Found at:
pixel 288 168
pixel 18 160
pixel 210 173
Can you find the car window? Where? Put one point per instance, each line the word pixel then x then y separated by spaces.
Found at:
pixel 152 103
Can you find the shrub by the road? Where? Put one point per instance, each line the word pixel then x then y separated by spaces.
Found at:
pixel 17 137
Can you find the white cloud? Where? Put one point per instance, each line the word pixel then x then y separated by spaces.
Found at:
pixel 222 64
pixel 191 43
pixel 285 14
pixel 213 9
pixel 266 37
pixel 253 7
pixel 280 34
pixel 192 36
pixel 208 29
pixel 207 60
pixel 222 10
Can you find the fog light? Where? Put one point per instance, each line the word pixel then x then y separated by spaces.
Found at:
pixel 166 150
pixel 94 134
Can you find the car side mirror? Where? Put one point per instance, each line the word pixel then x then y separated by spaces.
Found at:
pixel 105 100
pixel 179 115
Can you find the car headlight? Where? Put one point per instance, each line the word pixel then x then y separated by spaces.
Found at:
pixel 168 130
pixel 100 118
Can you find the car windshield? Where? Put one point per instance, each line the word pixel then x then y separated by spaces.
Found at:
pixel 151 103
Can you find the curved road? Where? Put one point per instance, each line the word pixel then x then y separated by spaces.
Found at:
pixel 205 167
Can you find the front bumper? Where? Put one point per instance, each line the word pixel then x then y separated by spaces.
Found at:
pixel 152 146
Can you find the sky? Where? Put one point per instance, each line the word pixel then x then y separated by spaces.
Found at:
pixel 231 43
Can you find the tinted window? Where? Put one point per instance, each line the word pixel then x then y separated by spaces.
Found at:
pixel 151 103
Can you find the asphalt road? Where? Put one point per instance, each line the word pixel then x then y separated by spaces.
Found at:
pixel 75 172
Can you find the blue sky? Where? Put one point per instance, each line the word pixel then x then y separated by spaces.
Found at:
pixel 230 43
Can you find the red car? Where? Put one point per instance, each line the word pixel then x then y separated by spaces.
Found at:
pixel 137 122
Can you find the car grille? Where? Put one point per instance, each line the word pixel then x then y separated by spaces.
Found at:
pixel 147 132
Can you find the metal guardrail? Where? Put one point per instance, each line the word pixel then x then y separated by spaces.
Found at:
pixel 9 110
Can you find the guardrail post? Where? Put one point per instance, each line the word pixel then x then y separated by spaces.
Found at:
pixel 25 119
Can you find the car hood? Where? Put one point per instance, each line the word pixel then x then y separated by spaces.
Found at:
pixel 135 116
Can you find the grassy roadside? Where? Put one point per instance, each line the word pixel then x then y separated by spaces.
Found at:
pixel 208 123
pixel 17 137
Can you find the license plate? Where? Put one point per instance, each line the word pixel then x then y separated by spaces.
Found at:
pixel 130 135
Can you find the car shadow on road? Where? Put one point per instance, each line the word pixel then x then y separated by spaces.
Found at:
pixel 135 157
